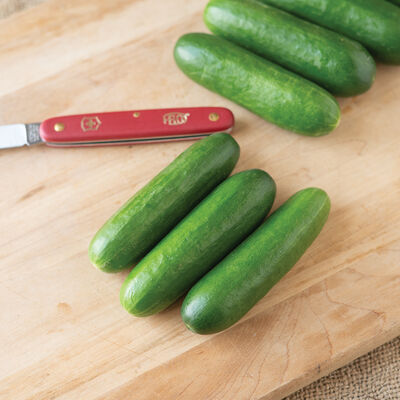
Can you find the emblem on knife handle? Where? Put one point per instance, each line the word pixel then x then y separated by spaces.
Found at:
pixel 175 118
pixel 90 124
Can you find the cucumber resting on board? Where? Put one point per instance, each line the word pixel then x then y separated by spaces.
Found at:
pixel 340 65
pixel 216 226
pixel 242 278
pixel 155 209
pixel 268 90
pixel 373 23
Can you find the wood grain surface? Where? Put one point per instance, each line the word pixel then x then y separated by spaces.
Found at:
pixel 8 7
pixel 63 332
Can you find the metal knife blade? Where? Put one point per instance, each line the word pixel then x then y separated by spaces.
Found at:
pixel 18 135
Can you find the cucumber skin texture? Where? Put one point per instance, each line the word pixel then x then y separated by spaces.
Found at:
pixel 219 223
pixel 155 209
pixel 340 65
pixel 268 90
pixel 238 282
pixel 373 23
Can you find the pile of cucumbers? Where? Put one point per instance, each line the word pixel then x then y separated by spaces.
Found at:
pixel 284 60
pixel 193 228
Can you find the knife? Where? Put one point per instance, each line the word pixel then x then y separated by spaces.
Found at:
pixel 120 128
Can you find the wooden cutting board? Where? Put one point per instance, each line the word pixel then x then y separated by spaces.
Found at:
pixel 63 332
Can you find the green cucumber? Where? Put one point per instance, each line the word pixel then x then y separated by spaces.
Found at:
pixel 241 279
pixel 153 211
pixel 218 224
pixel 340 65
pixel 268 90
pixel 373 23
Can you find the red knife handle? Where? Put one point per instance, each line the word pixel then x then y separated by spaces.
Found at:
pixel 125 127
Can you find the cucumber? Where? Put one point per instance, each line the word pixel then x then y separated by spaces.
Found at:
pixel 153 211
pixel 374 23
pixel 219 223
pixel 268 90
pixel 340 65
pixel 238 282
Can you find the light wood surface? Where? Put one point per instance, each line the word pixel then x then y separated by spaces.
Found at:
pixel 63 332
pixel 8 7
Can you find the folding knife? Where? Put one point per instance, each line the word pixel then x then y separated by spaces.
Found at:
pixel 120 128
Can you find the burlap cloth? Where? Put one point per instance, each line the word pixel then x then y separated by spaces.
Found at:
pixel 374 376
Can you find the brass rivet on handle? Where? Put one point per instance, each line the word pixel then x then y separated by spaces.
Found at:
pixel 59 127
pixel 136 114
pixel 213 117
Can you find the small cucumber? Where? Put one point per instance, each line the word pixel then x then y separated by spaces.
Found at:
pixel 275 94
pixel 153 211
pixel 218 224
pixel 340 65
pixel 373 23
pixel 238 282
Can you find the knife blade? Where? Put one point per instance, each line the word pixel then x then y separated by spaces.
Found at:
pixel 120 127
